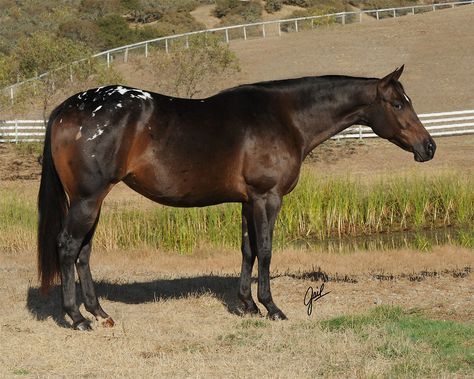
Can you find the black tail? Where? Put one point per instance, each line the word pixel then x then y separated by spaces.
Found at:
pixel 52 209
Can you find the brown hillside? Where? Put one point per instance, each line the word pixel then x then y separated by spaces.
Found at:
pixel 436 48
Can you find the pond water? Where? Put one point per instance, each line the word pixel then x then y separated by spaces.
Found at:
pixel 419 240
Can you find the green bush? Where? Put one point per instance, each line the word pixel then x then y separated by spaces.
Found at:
pixel 272 6
pixel 95 9
pixel 236 10
pixel 114 31
pixel 84 31
pixel 298 3
pixel 45 51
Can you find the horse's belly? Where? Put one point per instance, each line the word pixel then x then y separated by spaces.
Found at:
pixel 183 188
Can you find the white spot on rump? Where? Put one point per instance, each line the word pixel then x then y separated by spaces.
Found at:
pixel 79 134
pixel 95 110
pixel 135 92
pixel 96 134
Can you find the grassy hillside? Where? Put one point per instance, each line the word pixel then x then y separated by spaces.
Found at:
pixel 30 29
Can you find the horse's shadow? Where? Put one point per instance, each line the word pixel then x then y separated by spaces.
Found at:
pixel 223 287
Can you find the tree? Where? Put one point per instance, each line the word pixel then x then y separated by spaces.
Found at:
pixel 207 58
pixel 188 72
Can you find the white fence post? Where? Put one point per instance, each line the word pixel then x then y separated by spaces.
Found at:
pixel 245 33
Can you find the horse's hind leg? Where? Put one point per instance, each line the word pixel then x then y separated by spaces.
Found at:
pixel 249 253
pixel 91 302
pixel 80 220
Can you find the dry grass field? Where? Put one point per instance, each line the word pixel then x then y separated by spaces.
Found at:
pixel 394 313
pixel 177 316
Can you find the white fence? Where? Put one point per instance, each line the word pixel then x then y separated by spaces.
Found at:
pixel 245 31
pixel 438 124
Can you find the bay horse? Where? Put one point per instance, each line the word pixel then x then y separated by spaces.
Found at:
pixel 245 144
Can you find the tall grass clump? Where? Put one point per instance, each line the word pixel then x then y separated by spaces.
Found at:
pixel 17 221
pixel 318 209
pixel 343 207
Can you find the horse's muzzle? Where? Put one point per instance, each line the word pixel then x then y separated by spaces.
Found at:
pixel 424 151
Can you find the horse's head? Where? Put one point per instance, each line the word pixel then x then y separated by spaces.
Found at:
pixel 391 116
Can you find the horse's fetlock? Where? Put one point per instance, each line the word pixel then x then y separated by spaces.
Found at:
pixel 265 298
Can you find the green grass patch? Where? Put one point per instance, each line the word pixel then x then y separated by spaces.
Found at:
pixel 451 342
pixel 375 317
pixel 417 346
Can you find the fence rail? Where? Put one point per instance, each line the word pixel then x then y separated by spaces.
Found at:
pixel 438 124
pixel 261 29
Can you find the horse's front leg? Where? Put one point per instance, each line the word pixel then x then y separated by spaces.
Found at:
pixel 265 211
pixel 249 253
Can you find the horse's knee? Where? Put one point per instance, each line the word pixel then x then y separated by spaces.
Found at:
pixel 68 248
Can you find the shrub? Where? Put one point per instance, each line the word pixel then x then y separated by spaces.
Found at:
pixel 114 31
pixel 83 31
pixel 233 12
pixel 224 7
pixel 298 3
pixel 272 6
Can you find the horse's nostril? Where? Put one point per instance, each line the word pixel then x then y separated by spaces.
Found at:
pixel 430 148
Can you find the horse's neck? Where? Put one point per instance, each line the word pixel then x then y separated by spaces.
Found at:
pixel 326 112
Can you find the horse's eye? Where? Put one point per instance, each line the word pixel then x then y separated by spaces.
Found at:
pixel 397 106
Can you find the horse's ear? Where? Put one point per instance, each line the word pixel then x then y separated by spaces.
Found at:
pixel 393 76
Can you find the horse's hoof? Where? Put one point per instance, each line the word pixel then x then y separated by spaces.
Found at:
pixel 252 310
pixel 107 322
pixel 84 325
pixel 277 315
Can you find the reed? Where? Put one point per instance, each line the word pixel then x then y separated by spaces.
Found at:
pixel 318 209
